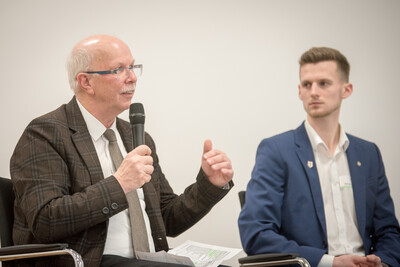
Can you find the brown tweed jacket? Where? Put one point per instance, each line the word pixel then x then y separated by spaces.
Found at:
pixel 62 196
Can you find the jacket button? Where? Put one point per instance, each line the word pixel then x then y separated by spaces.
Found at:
pixel 105 210
pixel 114 206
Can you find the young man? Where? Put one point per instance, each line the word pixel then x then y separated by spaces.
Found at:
pixel 316 190
pixel 71 186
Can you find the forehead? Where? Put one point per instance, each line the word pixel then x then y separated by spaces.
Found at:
pixel 112 55
pixel 320 70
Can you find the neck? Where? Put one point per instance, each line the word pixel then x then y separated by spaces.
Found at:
pixel 328 130
pixel 105 117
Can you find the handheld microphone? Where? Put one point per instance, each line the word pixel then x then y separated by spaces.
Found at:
pixel 136 118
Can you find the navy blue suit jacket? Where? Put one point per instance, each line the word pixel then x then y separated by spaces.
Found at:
pixel 284 210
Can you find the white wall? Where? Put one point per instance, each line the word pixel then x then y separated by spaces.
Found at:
pixel 225 70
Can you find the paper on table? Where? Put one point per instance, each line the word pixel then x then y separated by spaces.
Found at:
pixel 204 255
pixel 162 256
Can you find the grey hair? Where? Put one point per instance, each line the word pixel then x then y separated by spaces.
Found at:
pixel 78 61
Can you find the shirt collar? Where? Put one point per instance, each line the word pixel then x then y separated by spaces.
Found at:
pixel 95 127
pixel 316 140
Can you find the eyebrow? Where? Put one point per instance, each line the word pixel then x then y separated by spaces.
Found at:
pixel 121 65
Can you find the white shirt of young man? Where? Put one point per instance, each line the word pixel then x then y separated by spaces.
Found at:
pixel 119 241
pixel 337 193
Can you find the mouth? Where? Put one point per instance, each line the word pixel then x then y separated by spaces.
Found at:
pixel 128 90
pixel 315 104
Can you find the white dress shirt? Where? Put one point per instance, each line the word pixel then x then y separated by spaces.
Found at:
pixel 337 193
pixel 119 241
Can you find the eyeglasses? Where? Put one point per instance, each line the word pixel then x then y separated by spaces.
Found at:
pixel 121 73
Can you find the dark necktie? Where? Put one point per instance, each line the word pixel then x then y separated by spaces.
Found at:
pixel 138 227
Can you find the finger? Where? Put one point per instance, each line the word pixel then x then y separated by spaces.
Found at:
pixel 216 158
pixel 213 153
pixel 148 169
pixel 207 147
pixel 148 160
pixel 221 165
pixel 360 259
pixel 147 178
pixel 227 172
pixel 142 150
pixel 373 258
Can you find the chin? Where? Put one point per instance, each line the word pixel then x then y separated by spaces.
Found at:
pixel 127 102
pixel 320 116
pixel 317 114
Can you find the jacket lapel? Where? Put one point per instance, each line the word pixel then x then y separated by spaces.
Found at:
pixel 83 141
pixel 358 172
pixel 306 157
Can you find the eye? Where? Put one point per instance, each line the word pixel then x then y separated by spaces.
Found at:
pixel 121 70
pixel 306 85
pixel 116 71
pixel 323 83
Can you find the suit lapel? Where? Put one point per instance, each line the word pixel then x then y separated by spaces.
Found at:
pixel 358 172
pixel 306 157
pixel 83 141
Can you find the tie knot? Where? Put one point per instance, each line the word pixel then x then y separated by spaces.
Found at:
pixel 110 135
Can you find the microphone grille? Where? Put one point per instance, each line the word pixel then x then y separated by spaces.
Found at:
pixel 136 113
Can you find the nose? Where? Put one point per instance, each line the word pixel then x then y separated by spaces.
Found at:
pixel 131 75
pixel 314 89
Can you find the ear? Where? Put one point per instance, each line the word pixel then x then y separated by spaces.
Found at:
pixel 347 90
pixel 299 86
pixel 84 83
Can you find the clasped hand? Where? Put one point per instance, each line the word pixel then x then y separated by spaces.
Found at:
pixel 357 261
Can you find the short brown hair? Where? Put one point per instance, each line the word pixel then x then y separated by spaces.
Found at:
pixel 318 54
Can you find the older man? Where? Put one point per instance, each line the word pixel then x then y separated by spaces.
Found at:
pixel 69 187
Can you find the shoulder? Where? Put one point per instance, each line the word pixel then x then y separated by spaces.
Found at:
pixel 57 114
pixel 277 148
pixel 43 134
pixel 283 137
pixel 66 116
pixel 47 123
pixel 358 140
pixel 359 143
pixel 363 150
pixel 281 140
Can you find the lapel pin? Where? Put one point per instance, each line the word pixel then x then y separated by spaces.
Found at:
pixel 310 164
pixel 358 163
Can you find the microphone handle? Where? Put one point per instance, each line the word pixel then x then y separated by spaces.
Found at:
pixel 138 134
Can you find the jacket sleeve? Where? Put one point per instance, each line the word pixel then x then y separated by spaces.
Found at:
pixel 384 231
pixel 260 221
pixel 180 212
pixel 55 198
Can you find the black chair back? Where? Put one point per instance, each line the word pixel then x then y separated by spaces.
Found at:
pixel 6 212
pixel 242 198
